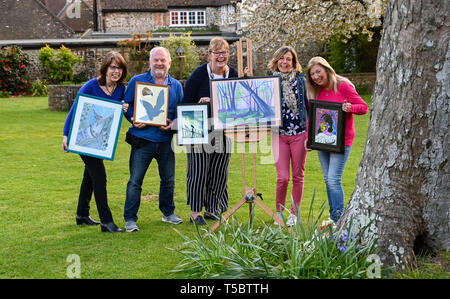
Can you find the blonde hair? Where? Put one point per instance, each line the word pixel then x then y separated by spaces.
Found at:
pixel 218 43
pixel 273 64
pixel 333 79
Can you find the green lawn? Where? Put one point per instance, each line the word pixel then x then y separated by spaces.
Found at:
pixel 39 191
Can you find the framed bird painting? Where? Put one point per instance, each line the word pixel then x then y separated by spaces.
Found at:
pixel 151 104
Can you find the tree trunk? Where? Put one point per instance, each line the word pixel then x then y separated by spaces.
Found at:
pixel 402 187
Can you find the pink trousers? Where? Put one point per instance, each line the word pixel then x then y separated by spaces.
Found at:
pixel 289 151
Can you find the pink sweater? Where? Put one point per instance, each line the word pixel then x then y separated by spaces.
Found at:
pixel 346 92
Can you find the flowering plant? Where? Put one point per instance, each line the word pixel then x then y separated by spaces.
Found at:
pixel 13 71
pixel 344 239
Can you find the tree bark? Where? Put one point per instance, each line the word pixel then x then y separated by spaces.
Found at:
pixel 402 187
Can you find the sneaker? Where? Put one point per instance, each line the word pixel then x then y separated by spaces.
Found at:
pixel 130 226
pixel 172 218
pixel 280 215
pixel 292 220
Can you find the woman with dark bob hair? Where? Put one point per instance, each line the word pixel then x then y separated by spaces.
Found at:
pixel 109 85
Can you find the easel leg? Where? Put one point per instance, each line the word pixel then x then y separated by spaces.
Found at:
pixel 228 215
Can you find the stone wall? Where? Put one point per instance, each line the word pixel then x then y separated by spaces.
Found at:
pixel 142 22
pixel 61 97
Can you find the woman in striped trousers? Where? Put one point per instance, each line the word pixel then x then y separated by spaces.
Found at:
pixel 207 173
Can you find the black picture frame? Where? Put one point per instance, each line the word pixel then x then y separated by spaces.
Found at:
pixel 326 126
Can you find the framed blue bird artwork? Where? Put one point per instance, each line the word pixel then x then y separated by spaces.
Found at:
pixel 151 104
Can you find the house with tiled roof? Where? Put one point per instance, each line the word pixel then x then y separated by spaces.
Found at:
pixel 30 19
pixel 77 14
pixel 144 16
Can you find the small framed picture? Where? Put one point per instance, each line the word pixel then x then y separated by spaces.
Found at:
pixel 246 103
pixel 95 126
pixel 326 129
pixel 192 124
pixel 151 104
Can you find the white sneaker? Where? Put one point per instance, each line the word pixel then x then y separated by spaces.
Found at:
pixel 292 220
pixel 280 215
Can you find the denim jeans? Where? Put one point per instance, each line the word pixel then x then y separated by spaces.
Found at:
pixel 140 159
pixel 333 165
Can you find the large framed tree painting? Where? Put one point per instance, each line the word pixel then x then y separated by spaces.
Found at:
pixel 246 103
pixel 95 126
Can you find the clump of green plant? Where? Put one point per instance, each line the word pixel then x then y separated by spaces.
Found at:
pixel 136 49
pixel 189 62
pixel 38 88
pixel 249 252
pixel 59 64
pixel 356 54
pixel 13 71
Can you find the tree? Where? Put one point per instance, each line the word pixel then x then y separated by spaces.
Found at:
pixel 301 22
pixel 402 187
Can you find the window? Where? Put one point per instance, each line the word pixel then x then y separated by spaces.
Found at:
pixel 174 18
pixel 187 18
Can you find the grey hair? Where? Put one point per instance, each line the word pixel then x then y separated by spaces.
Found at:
pixel 160 48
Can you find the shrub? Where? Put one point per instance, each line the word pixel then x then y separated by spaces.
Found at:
pixel 190 60
pixel 355 55
pixel 137 48
pixel 13 71
pixel 38 88
pixel 60 65
pixel 80 77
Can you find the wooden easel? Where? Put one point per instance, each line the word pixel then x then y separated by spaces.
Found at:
pixel 251 136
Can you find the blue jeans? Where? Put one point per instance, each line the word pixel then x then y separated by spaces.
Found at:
pixel 333 165
pixel 140 159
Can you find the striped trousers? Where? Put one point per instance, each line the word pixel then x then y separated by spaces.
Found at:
pixel 207 177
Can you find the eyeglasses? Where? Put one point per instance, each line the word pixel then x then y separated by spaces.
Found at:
pixel 115 68
pixel 223 53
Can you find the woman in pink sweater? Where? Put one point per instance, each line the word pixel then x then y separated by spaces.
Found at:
pixel 324 84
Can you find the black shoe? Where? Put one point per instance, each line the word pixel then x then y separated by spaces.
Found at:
pixel 86 220
pixel 211 216
pixel 110 227
pixel 198 220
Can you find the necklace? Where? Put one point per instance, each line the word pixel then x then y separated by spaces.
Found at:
pixel 108 91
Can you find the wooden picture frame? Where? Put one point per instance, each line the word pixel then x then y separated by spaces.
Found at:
pixel 192 124
pixel 151 104
pixel 246 103
pixel 95 126
pixel 326 126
